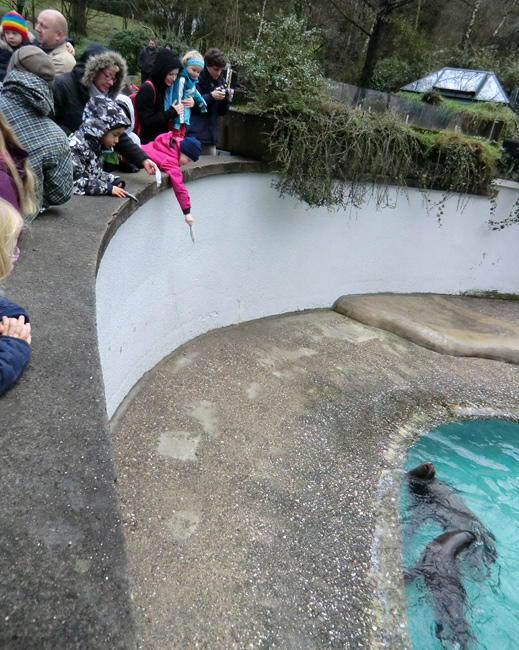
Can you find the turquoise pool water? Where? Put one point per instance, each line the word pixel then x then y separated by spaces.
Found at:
pixel 481 460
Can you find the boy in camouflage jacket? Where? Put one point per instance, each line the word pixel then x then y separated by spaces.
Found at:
pixel 103 122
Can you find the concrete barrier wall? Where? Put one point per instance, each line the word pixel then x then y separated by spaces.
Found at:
pixel 257 254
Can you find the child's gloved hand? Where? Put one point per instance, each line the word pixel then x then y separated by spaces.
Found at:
pixel 189 219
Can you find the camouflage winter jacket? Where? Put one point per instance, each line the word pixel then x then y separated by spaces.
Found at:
pixel 101 115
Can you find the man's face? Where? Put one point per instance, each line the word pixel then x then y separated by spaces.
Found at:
pixel 151 44
pixel 48 34
pixel 214 71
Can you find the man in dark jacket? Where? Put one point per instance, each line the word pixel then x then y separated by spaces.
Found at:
pixel 204 126
pixel 98 72
pixel 146 60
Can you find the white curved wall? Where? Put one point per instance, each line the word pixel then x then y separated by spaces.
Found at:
pixel 257 255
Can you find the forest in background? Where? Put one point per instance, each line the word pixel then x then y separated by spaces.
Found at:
pixel 380 44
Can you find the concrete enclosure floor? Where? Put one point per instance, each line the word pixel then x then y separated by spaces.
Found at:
pixel 249 465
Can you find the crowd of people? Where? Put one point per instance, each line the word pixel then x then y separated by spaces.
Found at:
pixel 66 127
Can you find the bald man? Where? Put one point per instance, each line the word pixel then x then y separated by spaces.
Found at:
pixel 51 28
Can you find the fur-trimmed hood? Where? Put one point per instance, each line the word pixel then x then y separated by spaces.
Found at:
pixel 107 59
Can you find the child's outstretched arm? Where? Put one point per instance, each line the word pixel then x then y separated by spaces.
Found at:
pixel 171 167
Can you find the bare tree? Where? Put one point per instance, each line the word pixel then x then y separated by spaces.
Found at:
pixel 379 11
pixel 466 36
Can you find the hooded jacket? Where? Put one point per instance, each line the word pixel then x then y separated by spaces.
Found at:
pixel 127 105
pixel 149 102
pixel 26 102
pixel 165 152
pixel 72 92
pixel 100 116
pixel 14 353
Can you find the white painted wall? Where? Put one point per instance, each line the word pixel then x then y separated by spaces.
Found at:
pixel 257 255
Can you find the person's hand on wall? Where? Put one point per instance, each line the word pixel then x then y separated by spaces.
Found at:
pixel 118 191
pixel 16 327
pixel 189 219
pixel 150 166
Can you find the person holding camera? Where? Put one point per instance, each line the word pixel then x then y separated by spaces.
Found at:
pixel 212 87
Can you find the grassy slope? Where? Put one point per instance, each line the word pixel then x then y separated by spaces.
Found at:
pixel 100 25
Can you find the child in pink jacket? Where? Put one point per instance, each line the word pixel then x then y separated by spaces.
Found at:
pixel 170 154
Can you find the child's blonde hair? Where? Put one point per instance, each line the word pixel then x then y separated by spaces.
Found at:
pixel 11 224
pixel 192 54
pixel 24 186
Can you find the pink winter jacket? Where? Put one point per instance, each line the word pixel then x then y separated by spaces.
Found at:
pixel 165 152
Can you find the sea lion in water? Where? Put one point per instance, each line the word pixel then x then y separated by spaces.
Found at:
pixel 438 567
pixel 434 500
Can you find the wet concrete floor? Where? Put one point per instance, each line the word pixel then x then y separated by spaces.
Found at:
pixel 250 466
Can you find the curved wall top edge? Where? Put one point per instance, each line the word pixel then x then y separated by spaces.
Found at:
pixel 258 254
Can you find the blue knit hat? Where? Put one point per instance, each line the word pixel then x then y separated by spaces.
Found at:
pixel 191 147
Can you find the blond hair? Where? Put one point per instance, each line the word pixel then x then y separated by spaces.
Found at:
pixel 11 224
pixel 25 186
pixel 192 54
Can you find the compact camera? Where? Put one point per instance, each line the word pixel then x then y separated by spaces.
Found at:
pixel 228 94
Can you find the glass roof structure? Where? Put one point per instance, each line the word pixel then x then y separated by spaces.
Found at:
pixel 463 85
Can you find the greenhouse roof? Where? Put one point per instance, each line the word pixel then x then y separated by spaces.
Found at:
pixel 463 85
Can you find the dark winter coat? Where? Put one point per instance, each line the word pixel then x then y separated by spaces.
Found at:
pixel 204 126
pixel 72 92
pixel 27 103
pixel 146 59
pixel 100 116
pixel 14 353
pixel 149 103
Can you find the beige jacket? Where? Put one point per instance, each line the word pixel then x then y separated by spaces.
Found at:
pixel 62 59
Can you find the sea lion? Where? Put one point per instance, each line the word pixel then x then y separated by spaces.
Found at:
pixel 434 500
pixel 438 567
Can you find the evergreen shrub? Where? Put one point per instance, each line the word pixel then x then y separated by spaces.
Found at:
pixel 280 70
pixel 129 42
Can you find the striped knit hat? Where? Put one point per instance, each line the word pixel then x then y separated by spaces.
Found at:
pixel 13 22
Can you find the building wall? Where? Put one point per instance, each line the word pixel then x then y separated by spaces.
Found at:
pixel 257 255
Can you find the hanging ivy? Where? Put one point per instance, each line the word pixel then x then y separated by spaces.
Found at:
pixel 341 156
